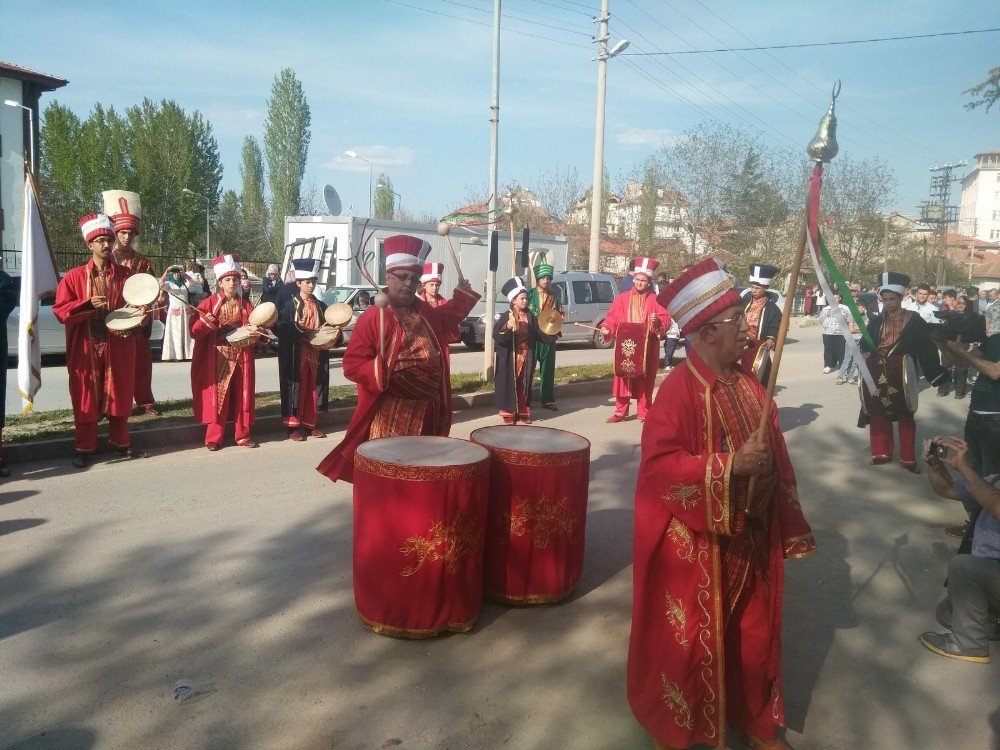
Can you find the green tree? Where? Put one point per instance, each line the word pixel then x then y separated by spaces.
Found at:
pixel 649 201
pixel 986 93
pixel 385 198
pixel 229 226
pixel 59 176
pixel 286 146
pixel 252 202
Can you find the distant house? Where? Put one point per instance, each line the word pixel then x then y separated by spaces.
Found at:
pixel 18 141
pixel 980 212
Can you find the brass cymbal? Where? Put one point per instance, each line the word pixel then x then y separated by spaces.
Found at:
pixel 550 321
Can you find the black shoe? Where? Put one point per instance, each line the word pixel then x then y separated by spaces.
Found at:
pixel 4 469
pixel 81 460
pixel 550 407
pixel 944 644
pixel 944 390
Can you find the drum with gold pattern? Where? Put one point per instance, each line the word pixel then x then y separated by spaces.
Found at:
pixel 631 341
pixel 757 359
pixel 419 529
pixel 537 514
pixel 896 379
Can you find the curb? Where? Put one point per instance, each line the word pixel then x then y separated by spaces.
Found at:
pixel 193 434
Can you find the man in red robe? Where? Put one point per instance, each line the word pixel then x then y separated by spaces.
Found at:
pixel 125 211
pixel 100 362
pixel 705 646
pixel 404 381
pixel 222 373
pixel 638 306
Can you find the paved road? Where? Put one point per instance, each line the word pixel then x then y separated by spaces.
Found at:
pixel 233 569
pixel 172 380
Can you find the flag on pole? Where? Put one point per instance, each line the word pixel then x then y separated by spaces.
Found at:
pixel 39 279
pixel 824 266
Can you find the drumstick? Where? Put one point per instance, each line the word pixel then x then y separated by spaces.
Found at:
pixel 443 229
pixel 381 300
pixel 583 325
pixel 188 305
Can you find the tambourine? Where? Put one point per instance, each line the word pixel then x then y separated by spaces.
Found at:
pixel 264 315
pixel 338 314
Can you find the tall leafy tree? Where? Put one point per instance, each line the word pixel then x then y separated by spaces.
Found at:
pixel 252 201
pixel 59 175
pixel 385 199
pixel 229 224
pixel 649 201
pixel 286 146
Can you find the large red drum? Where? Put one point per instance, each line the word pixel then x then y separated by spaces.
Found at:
pixel 757 359
pixel 419 529
pixel 537 513
pixel 631 350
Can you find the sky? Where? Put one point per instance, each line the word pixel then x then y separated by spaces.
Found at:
pixel 407 83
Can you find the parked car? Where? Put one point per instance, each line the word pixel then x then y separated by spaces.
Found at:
pixel 52 334
pixel 349 294
pixel 585 297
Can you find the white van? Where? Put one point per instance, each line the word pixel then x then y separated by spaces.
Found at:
pixel 585 297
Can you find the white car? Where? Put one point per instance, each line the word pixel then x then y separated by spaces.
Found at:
pixel 51 332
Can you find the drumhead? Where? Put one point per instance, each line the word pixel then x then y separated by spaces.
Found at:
pixel 264 314
pixel 141 289
pixel 423 450
pixel 123 319
pixel 338 314
pixel 239 335
pixel 324 336
pixel 530 439
pixel 910 383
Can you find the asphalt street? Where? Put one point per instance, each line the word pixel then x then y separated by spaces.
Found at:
pixel 233 570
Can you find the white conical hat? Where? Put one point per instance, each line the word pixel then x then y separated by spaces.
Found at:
pixel 124 208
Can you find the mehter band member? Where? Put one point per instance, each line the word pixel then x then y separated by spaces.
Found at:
pixel 101 363
pixel 544 297
pixel 395 357
pixel 898 335
pixel 763 319
pixel 303 369
pixel 125 210
pixel 222 369
pixel 705 648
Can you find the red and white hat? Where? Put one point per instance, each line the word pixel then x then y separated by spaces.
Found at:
pixel 124 208
pixel 645 266
pixel 405 253
pixel 226 265
pixel 93 226
pixel 432 272
pixel 699 294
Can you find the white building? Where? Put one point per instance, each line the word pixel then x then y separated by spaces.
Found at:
pixel 18 142
pixel 979 216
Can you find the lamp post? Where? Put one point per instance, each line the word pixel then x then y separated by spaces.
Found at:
pixel 356 155
pixel 596 199
pixel 208 223
pixel 31 129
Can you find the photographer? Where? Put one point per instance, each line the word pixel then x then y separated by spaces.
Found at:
pixel 970 611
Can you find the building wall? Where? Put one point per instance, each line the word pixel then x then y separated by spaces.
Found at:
pixel 11 172
pixel 980 212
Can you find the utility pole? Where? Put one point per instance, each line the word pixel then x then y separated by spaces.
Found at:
pixel 491 274
pixel 937 212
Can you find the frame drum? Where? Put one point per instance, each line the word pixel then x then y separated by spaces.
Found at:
pixel 338 314
pixel 896 378
pixel 419 526
pixel 537 514
pixel 242 337
pixel 141 289
pixel 264 315
pixel 123 319
pixel 325 337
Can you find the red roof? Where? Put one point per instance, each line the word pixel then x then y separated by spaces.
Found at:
pixel 19 73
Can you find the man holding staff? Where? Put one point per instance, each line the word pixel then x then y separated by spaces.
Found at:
pixel 101 363
pixel 543 297
pixel 705 647
pixel 395 356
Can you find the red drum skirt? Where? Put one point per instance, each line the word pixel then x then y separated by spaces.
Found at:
pixel 419 525
pixel 537 512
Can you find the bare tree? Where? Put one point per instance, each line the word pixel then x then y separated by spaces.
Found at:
pixel 987 92
pixel 558 189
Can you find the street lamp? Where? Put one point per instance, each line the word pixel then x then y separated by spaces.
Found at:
pixel 596 199
pixel 208 223
pixel 355 155
pixel 31 129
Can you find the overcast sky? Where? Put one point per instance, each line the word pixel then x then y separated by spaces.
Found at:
pixel 407 84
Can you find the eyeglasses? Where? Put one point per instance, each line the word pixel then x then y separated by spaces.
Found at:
pixel 737 319
pixel 405 278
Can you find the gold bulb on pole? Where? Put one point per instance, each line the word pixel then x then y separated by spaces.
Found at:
pixel 823 147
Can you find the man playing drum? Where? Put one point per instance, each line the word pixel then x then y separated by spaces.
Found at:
pixel 763 319
pixel 543 297
pixel 395 357
pixel 898 334
pixel 705 646
pixel 303 370
pixel 638 313
pixel 125 211
pixel 101 363
pixel 222 371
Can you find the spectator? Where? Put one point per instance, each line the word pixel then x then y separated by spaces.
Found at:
pixel 833 336
pixel 271 284
pixel 177 342
pixel 948 299
pixel 921 304
pixel 244 288
pixel 809 301
pixel 849 367
pixel 970 609
pixel 195 283
pixel 363 300
pixel 820 301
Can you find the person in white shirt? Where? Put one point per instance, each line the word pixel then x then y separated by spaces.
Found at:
pixel 833 336
pixel 921 304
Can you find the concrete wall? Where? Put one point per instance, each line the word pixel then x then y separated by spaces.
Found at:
pixel 11 172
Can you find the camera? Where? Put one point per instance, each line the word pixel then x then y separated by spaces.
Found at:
pixel 969 325
pixel 936 449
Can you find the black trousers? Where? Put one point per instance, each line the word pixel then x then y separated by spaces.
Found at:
pixel 833 350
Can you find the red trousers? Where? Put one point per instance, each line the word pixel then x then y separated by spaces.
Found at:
pixel 85 439
pixel 232 411
pixel 143 371
pixel 642 404
pixel 306 411
pixel 880 436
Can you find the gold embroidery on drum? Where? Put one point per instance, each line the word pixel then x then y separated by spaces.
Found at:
pixel 418 473
pixel 681 536
pixel 524 458
pixel 677 617
pixel 676 702
pixel 683 494
pixel 450 542
pixel 543 519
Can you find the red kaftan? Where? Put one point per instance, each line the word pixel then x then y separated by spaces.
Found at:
pixel 98 385
pixel 209 347
pixel 632 307
pixel 363 364
pixel 138 263
pixel 706 618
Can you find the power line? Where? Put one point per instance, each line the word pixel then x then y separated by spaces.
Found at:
pixel 812 44
pixel 508 14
